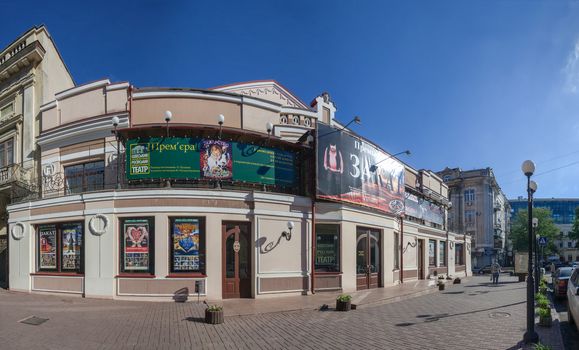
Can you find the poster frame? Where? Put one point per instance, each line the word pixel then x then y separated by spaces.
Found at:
pixel 151 243
pixel 202 250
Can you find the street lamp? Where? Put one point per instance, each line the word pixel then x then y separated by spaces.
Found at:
pixel 535 228
pixel 115 121
pixel 220 121
pixel 530 336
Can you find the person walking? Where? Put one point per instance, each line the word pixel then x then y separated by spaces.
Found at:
pixel 495 271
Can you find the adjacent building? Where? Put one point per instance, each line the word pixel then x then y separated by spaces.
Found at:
pixel 563 215
pixel 480 210
pixel 31 72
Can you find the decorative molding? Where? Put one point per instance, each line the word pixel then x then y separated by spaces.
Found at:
pixel 83 88
pixel 18 231
pixel 99 220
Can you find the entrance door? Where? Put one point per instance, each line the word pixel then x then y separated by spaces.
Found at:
pixel 236 260
pixel 420 259
pixel 367 258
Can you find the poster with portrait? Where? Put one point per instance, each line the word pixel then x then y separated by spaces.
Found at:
pixel 186 245
pixel 351 169
pixel 136 244
pixel 215 160
pixel 47 241
pixel 71 246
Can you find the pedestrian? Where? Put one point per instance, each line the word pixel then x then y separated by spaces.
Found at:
pixel 552 268
pixel 495 271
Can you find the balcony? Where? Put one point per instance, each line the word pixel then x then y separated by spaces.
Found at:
pixel 12 173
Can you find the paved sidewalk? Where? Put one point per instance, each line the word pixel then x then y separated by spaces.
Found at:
pixel 237 307
pixel 472 315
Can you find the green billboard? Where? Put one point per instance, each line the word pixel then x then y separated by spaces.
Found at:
pixel 196 158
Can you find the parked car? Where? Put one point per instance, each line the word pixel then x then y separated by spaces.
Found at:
pixel 560 279
pixel 575 264
pixel 573 298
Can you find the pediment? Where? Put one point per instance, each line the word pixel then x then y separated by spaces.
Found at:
pixel 269 90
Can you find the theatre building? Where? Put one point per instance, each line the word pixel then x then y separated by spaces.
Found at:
pixel 241 191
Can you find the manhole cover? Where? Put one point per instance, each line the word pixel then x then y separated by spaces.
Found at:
pixel 499 315
pixel 33 320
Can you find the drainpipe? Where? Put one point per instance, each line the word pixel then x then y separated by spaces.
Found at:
pixel 402 249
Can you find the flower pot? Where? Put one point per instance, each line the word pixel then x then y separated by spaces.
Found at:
pixel 343 305
pixel 546 321
pixel 456 281
pixel 213 317
pixel 441 286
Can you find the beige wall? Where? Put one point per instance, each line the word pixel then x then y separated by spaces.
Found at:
pixel 185 111
pixel 90 103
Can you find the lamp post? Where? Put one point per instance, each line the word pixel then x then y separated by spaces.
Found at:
pixel 115 121
pixel 530 336
pixel 373 167
pixel 220 121
pixel 537 266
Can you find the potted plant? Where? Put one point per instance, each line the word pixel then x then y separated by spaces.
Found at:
pixel 440 285
pixel 214 314
pixel 456 281
pixel 545 319
pixel 343 302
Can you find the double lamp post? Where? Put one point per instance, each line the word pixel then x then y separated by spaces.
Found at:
pixel 530 336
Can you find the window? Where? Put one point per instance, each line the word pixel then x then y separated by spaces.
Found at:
pixel 459 254
pixel 327 248
pixel 441 253
pixel 569 243
pixel 187 244
pixel 136 244
pixel 60 247
pixel 84 177
pixel 7 110
pixel 569 258
pixel 560 244
pixel 431 252
pixel 469 217
pixel 396 254
pixel 469 195
pixel 7 153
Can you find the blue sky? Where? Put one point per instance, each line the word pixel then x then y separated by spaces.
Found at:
pixel 464 84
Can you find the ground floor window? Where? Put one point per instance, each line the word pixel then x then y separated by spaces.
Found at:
pixel 327 248
pixel 60 247
pixel 441 253
pixel 431 252
pixel 459 256
pixel 187 241
pixel 137 242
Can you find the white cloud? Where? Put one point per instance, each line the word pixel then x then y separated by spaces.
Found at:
pixel 572 70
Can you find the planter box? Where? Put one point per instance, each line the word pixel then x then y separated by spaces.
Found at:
pixel 343 305
pixel 213 317
pixel 546 321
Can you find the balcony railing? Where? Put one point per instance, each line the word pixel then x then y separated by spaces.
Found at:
pixel 12 173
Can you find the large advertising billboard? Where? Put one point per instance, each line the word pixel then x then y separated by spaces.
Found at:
pixel 195 158
pixel 349 169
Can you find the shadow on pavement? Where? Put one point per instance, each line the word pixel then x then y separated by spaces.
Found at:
pixel 195 319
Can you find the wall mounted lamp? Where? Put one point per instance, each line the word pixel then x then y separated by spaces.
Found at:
pixel 288 235
pixel 220 121
pixel 168 117
pixel 115 121
pixel 374 167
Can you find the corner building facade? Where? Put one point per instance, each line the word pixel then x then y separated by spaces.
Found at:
pixel 215 197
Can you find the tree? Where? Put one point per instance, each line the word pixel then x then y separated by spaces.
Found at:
pixel 546 228
pixel 574 233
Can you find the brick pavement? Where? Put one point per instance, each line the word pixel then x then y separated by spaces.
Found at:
pixel 458 318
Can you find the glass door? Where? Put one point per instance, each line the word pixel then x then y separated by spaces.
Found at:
pixel 236 260
pixel 367 258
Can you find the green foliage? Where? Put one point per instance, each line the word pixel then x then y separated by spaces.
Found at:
pixel 214 308
pixel 544 312
pixel 574 233
pixel 541 297
pixel 540 346
pixel 344 298
pixel 547 228
pixel 543 303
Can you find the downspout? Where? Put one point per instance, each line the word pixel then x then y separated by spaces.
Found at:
pixel 402 249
